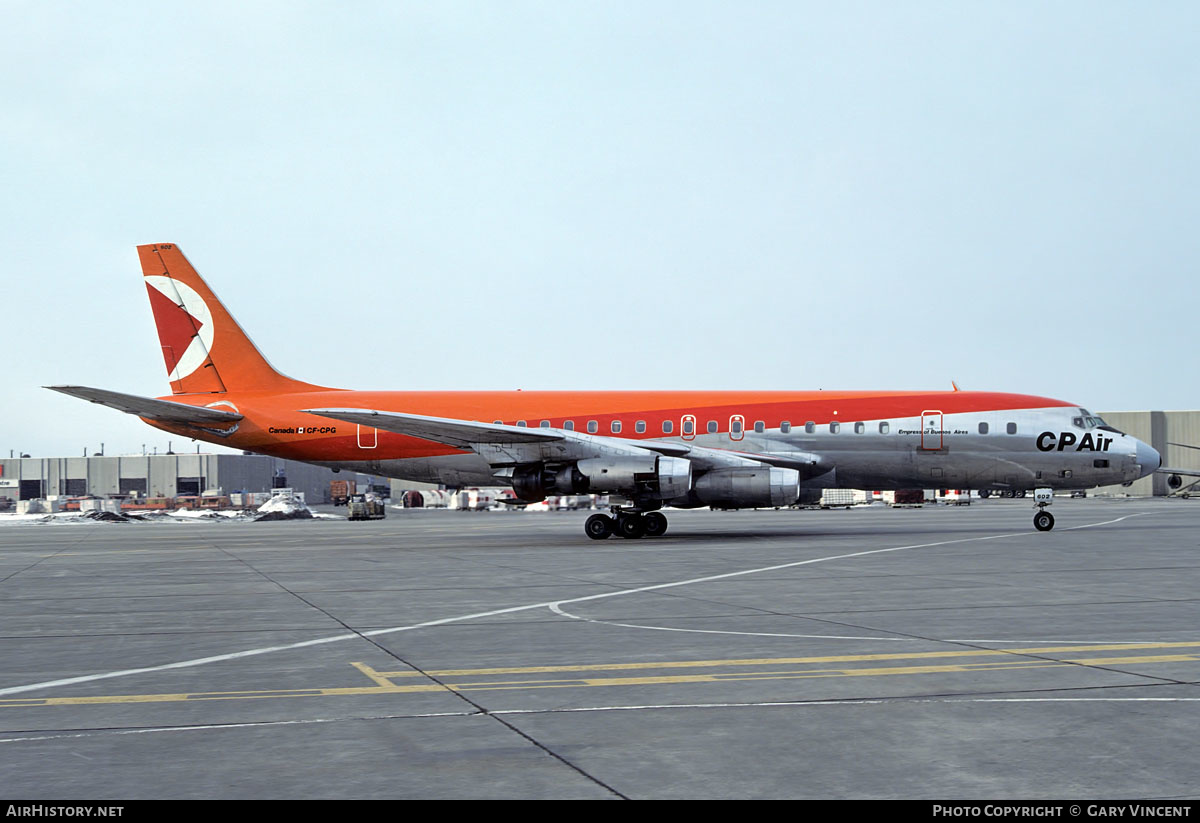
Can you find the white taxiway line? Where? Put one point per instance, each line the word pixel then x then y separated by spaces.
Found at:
pixel 866 701
pixel 563 613
pixel 202 661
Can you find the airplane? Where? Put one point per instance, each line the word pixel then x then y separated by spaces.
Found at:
pixel 1175 476
pixel 648 449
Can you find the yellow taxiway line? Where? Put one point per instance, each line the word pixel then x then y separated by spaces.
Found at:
pixel 623 674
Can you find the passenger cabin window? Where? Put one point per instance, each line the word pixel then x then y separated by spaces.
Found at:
pixel 1011 428
pixel 545 424
pixel 593 427
pixel 759 427
pixel 712 426
pixel 860 428
pixel 810 427
pixel 522 423
pixel 983 428
pixel 785 427
pixel 615 426
pixel 498 422
pixel 640 427
pixel 689 427
pixel 835 427
pixel 735 426
pixel 569 425
pixel 883 427
pixel 668 426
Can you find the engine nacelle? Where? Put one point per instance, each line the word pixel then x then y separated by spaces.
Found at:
pixel 748 488
pixel 649 475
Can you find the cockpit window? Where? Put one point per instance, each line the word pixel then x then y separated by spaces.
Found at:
pixel 1095 421
pixel 1087 420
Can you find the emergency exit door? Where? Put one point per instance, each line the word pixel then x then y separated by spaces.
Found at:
pixel 931 430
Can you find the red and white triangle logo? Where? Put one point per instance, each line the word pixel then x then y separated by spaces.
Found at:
pixel 185 327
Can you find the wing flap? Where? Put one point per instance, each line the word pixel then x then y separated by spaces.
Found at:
pixel 166 411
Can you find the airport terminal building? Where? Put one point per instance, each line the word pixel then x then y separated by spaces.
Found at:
pixel 163 475
pixel 1170 433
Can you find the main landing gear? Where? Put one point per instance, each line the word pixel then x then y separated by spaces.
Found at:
pixel 628 524
pixel 1043 521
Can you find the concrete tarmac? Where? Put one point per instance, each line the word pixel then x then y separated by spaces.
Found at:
pixel 940 653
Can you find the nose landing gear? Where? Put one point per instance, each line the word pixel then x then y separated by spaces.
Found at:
pixel 628 524
pixel 1043 521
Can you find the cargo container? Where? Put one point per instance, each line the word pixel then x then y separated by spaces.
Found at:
pixel 340 491
pixel 832 498
pixel 908 497
pixel 954 497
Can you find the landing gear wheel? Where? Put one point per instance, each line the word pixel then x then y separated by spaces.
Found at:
pixel 598 526
pixel 631 526
pixel 1043 521
pixel 655 524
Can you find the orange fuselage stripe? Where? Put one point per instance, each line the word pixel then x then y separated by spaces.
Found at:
pixel 266 411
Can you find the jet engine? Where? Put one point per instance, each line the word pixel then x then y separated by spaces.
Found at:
pixel 651 476
pixel 748 488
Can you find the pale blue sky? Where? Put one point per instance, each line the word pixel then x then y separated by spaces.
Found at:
pixel 605 195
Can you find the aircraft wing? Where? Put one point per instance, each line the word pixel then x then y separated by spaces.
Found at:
pixel 503 445
pixel 499 444
pixel 1184 472
pixel 462 434
pixel 808 464
pixel 166 411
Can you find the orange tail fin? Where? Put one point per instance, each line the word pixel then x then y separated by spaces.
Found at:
pixel 204 348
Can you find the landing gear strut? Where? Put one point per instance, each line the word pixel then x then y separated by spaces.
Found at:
pixel 628 524
pixel 1043 521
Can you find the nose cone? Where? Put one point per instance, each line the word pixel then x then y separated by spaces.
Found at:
pixel 1148 459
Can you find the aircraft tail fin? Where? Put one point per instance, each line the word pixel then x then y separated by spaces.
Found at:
pixel 204 348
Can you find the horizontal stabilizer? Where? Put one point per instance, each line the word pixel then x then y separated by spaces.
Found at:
pixel 165 411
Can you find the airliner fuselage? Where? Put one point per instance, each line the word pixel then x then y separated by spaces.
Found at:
pixel 651 449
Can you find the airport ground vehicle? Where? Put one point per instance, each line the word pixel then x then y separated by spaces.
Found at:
pixel 648 450
pixel 365 507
